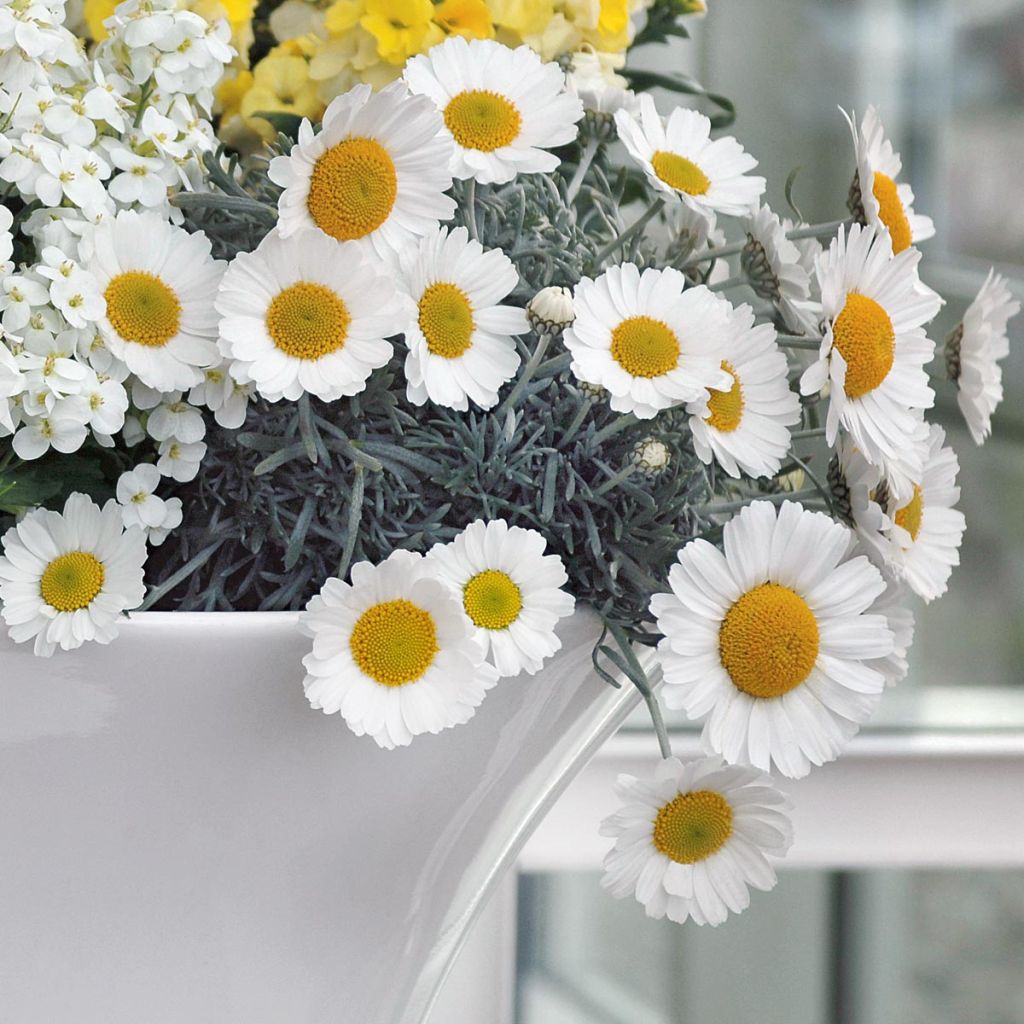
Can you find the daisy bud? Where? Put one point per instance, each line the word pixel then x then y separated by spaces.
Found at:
pixel 550 311
pixel 651 456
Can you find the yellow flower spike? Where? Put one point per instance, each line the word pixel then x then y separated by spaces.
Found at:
pixel 469 18
pixel 527 17
pixel 401 27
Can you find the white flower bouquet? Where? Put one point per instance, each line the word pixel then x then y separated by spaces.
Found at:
pixel 443 365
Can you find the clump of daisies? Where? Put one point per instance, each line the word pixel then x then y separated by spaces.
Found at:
pixel 417 373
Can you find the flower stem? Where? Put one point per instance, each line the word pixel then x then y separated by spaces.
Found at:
pixel 634 229
pixel 471 208
pixel 800 435
pixel 829 227
pixel 528 371
pixel 740 503
pixel 586 158
pixel 798 341
pixel 729 282
pixel 713 254
pixel 147 91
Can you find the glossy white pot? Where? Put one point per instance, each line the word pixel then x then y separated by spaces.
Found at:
pixel 184 841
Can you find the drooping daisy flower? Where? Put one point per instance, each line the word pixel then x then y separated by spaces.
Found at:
pixel 745 427
pixel 875 349
pixel 875 196
pixel 460 337
pixel 684 163
pixel 66 577
pixel 693 839
pixel 774 267
pixel 305 314
pixel 502 108
pixel 767 643
pixel 159 283
pixel 651 343
pixel 376 171
pixel 394 652
pixel 973 352
pixel 509 589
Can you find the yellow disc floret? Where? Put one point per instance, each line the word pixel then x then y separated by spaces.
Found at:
pixel 352 189
pixel 891 212
pixel 679 173
pixel 725 408
pixel 768 641
pixel 693 826
pixel 141 308
pixel 492 600
pixel 909 516
pixel 307 321
pixel 71 581
pixel 644 347
pixel 394 642
pixel 864 336
pixel 481 119
pixel 446 319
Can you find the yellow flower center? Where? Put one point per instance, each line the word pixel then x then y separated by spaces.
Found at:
pixel 352 189
pixel 71 581
pixel 725 408
pixel 307 321
pixel 141 308
pixel 492 600
pixel 481 119
pixel 394 642
pixel 865 338
pixel 446 320
pixel 891 212
pixel 909 517
pixel 768 641
pixel 644 347
pixel 693 826
pixel 679 173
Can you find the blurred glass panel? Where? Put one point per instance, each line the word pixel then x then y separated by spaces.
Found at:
pixel 918 947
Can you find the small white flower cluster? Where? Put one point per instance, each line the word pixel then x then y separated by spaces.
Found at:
pixel 82 142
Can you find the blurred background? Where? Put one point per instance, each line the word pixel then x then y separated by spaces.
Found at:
pixel 880 946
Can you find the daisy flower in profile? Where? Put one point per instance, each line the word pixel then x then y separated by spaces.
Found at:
pixel 693 839
pixel 774 267
pixel 393 652
pixel 460 337
pixel 377 170
pixel 973 352
pixel 502 108
pixel 876 198
pixel 509 589
pixel 159 283
pixel 745 427
pixel 306 314
pixel 66 577
pixel 874 350
pixel 768 642
pixel 652 342
pixel 684 163
pixel 900 619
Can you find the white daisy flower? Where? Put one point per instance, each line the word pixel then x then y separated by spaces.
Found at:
pixel 775 267
pixel 893 604
pixel 509 589
pixel 876 198
pixel 685 164
pixel 376 171
pixel 460 338
pixel 693 839
pixel 159 283
pixel 768 642
pixel 306 314
pixel 924 533
pixel 65 578
pixel 502 108
pixel 746 426
pixel 874 350
pixel 652 342
pixel 973 352
pixel 393 652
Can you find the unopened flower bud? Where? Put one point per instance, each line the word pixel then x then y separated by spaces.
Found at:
pixel 550 311
pixel 651 456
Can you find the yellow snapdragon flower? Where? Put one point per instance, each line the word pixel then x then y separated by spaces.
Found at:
pixel 401 27
pixel 523 17
pixel 469 18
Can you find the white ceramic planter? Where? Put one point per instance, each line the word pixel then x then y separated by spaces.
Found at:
pixel 184 841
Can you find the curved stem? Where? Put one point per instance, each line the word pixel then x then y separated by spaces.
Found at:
pixel 634 229
pixel 526 375
pixel 586 158
pixel 829 227
pixel 713 254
